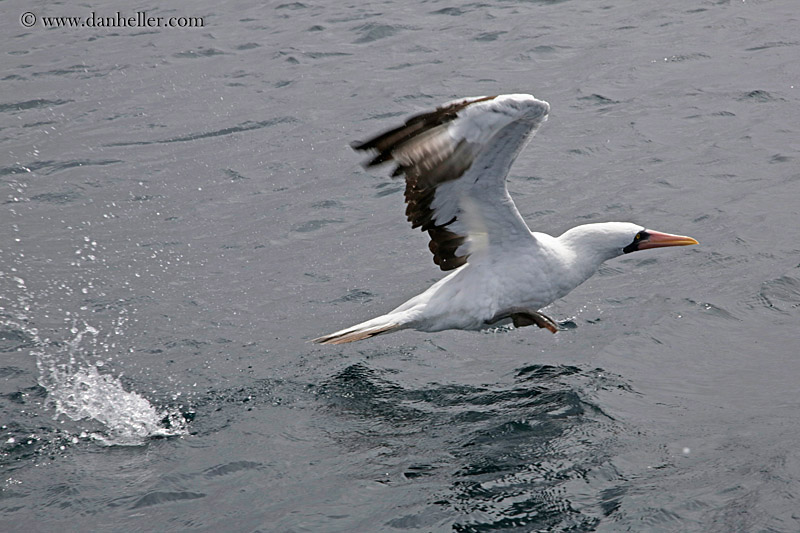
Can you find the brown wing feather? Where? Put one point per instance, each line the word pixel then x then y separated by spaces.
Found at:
pixel 426 165
pixel 386 142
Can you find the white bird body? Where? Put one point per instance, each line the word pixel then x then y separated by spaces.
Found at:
pixel 455 161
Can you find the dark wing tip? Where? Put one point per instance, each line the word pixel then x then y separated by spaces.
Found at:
pixel 382 156
pixel 385 143
pixel 444 245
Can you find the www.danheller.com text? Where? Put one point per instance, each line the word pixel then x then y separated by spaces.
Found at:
pixel 139 19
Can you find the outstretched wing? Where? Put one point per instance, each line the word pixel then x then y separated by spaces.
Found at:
pixel 455 161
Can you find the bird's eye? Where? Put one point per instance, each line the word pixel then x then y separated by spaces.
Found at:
pixel 638 237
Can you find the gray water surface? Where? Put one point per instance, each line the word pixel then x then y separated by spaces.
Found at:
pixel 181 214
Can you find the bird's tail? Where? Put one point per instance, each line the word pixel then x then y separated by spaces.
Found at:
pixel 370 328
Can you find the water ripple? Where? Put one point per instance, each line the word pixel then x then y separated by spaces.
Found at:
pixel 508 454
pixel 160 497
pixel 31 104
pixel 781 294
pixel 245 126
pixel 51 167
pixel 371 32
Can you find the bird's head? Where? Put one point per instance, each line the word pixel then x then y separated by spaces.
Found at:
pixel 611 239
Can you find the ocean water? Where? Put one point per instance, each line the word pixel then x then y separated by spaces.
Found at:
pixel 181 213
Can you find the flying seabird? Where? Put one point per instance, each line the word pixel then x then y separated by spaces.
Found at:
pixel 455 160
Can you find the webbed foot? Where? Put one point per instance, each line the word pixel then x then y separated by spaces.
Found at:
pixel 522 317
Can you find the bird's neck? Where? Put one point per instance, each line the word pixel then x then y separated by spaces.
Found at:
pixel 584 251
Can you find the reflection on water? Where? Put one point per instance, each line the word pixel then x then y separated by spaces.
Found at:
pixel 506 457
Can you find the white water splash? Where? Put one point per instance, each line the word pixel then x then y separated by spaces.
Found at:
pixel 77 390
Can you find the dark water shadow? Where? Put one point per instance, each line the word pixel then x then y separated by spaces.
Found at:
pixel 499 457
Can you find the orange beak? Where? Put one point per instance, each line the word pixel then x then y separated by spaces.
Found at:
pixel 656 239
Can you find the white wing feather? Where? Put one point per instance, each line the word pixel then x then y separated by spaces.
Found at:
pixel 455 161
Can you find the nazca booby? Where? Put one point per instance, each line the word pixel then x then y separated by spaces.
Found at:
pixel 455 160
